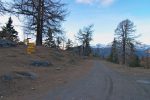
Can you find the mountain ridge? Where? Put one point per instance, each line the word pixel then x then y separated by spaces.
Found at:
pixel 104 50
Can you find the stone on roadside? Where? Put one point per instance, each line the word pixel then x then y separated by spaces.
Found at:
pixel 18 74
pixel 32 88
pixel 37 63
pixel 29 75
pixel 58 68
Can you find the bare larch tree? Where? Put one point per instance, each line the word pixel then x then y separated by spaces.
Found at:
pixel 125 35
pixel 42 15
pixel 85 37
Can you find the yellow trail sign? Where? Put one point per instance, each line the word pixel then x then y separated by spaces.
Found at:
pixel 30 48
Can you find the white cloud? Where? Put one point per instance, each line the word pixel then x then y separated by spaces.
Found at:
pixel 106 2
pixel 102 2
pixel 85 1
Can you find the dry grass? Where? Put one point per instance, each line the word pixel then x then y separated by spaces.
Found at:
pixel 128 70
pixel 65 68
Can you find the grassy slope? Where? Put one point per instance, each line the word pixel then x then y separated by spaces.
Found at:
pixel 65 67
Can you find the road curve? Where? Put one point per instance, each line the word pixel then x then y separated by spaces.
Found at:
pixel 101 83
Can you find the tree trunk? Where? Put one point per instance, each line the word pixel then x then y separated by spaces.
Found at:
pixel 42 16
pixel 124 52
pixel 39 28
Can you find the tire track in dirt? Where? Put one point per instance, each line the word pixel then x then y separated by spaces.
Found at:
pixel 110 87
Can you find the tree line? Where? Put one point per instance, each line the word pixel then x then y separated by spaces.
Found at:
pixel 45 17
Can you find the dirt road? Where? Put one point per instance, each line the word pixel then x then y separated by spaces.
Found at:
pixel 102 83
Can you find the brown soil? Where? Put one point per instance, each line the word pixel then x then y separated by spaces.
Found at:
pixel 66 67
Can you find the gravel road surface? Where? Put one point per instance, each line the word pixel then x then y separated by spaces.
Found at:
pixel 102 83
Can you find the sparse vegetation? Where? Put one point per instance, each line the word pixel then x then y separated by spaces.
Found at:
pixel 20 72
pixel 69 44
pixel 125 35
pixel 123 46
pixel 85 37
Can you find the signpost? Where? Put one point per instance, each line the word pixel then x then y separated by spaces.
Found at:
pixel 30 47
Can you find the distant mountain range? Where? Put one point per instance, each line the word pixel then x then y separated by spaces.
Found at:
pixel 104 50
pixel 143 47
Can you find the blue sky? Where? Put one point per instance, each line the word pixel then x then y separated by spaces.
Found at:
pixel 106 15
